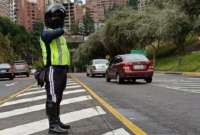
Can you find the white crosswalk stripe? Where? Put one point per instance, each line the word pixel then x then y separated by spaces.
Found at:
pixel 120 131
pixel 178 83
pixel 26 105
pixel 38 98
pixel 41 106
pixel 68 84
pixel 41 125
pixel 32 92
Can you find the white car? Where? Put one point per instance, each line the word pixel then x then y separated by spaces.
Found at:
pixel 97 67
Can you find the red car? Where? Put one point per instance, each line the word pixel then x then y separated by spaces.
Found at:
pixel 130 67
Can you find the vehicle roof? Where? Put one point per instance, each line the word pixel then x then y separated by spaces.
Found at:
pixel 124 55
pixel 99 59
pixel 20 61
pixel 4 64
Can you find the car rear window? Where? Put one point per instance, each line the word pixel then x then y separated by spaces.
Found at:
pixel 134 58
pixel 100 61
pixel 4 66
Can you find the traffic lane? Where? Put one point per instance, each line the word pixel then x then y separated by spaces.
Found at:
pixel 8 87
pixel 156 110
pixel 25 114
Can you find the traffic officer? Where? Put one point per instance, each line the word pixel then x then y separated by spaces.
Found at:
pixel 56 59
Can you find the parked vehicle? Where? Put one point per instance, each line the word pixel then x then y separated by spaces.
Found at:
pixel 21 68
pixel 6 71
pixel 97 67
pixel 130 67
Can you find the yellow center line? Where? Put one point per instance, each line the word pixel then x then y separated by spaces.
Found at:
pixel 12 96
pixel 130 125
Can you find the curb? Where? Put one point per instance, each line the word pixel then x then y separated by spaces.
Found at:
pixel 190 74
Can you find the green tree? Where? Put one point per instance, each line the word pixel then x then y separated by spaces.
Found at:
pixel 88 24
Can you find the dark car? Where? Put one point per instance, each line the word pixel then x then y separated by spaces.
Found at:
pixel 130 67
pixel 6 71
pixel 21 68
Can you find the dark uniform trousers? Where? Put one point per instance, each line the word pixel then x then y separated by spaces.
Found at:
pixel 55 78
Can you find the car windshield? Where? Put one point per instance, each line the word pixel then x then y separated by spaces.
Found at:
pixel 100 61
pixel 4 66
pixel 134 58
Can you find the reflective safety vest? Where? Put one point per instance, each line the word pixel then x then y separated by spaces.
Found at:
pixel 59 53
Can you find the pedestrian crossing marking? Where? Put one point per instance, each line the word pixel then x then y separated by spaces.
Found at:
pixel 190 85
pixel 25 110
pixel 25 100
pixel 68 84
pixel 120 131
pixel 32 92
pixel 41 90
pixel 72 87
pixel 38 126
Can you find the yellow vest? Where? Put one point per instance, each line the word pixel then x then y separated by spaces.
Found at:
pixel 59 52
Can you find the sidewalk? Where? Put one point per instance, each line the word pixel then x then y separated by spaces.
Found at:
pixel 190 74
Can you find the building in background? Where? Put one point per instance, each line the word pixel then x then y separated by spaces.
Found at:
pixel 98 8
pixel 5 8
pixel 70 15
pixel 13 16
pixel 28 12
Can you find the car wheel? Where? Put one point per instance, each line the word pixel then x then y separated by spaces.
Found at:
pixel 107 78
pixel 133 80
pixel 119 79
pixel 11 78
pixel 148 80
pixel 87 74
pixel 27 75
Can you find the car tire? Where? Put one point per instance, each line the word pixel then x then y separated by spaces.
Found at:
pixel 119 79
pixel 11 78
pixel 107 78
pixel 27 75
pixel 92 75
pixel 148 80
pixel 87 74
pixel 133 80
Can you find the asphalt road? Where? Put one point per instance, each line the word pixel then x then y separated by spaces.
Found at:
pixel 25 114
pixel 8 87
pixel 167 106
pixel 170 105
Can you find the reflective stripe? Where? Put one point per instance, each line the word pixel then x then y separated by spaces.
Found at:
pixel 44 51
pixel 52 91
pixel 60 53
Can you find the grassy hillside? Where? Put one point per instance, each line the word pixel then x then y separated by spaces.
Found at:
pixel 187 63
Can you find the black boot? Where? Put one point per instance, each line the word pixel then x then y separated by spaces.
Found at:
pixel 65 126
pixel 54 127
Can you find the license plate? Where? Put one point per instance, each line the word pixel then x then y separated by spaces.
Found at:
pixel 3 71
pixel 138 67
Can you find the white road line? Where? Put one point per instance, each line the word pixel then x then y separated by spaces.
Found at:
pixel 37 88
pixel 10 84
pixel 25 110
pixel 120 131
pixel 192 90
pixel 68 84
pixel 25 100
pixel 41 125
pixel 71 87
pixel 32 92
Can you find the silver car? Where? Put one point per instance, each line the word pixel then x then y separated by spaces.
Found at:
pixel 97 67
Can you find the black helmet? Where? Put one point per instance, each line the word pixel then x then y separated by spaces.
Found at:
pixel 54 16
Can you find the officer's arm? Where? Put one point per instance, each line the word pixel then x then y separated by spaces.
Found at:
pixel 48 36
